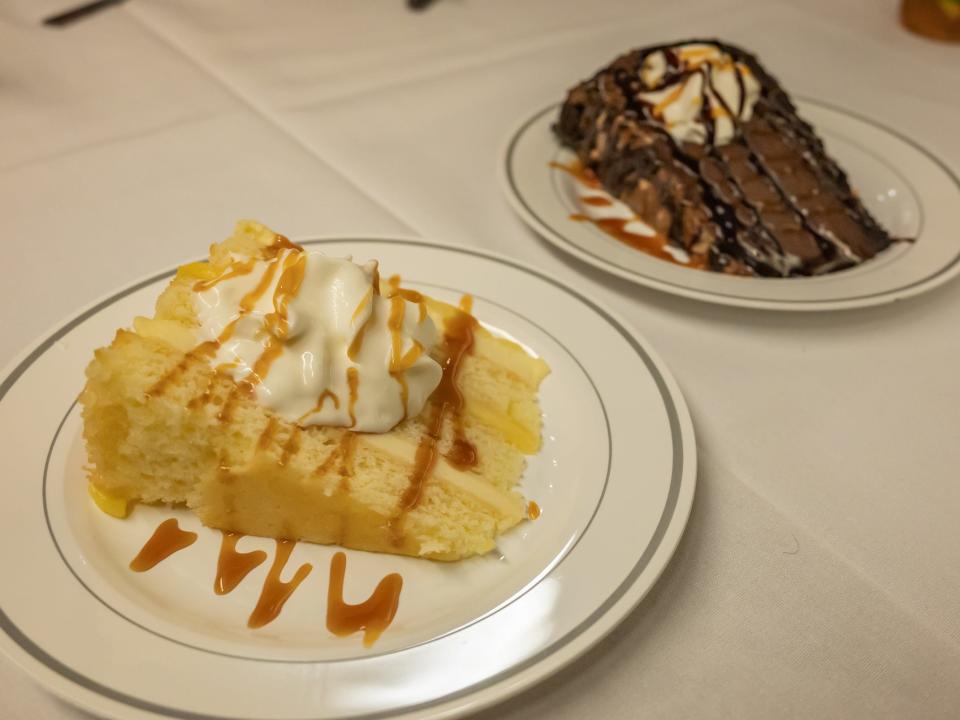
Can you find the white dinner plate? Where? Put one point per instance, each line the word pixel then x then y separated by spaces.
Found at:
pixel 911 193
pixel 615 481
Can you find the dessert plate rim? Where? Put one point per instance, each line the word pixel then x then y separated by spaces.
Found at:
pixel 558 234
pixel 68 684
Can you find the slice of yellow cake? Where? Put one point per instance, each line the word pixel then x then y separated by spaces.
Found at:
pixel 281 393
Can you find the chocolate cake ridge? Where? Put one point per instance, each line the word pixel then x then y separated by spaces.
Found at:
pixel 706 146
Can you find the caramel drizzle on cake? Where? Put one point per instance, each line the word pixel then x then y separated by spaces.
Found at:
pixel 208 349
pixel 395 324
pixel 245 267
pixel 401 362
pixel 233 566
pixel 347 450
pixel 234 270
pixel 343 453
pixel 463 453
pixel 292 268
pixel 291 447
pixel 275 592
pixel 203 398
pixel 201 353
pixel 327 394
pixel 266 437
pixel 533 510
pixel 373 615
pixel 353 385
pixel 167 539
pixel 446 400
pixel 364 301
pixel 277 323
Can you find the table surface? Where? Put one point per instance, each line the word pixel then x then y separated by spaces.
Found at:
pixel 820 572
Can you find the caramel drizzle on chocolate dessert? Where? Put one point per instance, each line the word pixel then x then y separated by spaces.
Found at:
pixel 233 566
pixel 446 401
pixel 580 172
pixel 650 244
pixel 373 615
pixel 167 539
pixel 723 211
pixel 773 203
pixel 729 209
pixel 275 592
pixel 616 228
pixel 597 201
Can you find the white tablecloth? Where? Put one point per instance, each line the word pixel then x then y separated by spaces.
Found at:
pixel 820 573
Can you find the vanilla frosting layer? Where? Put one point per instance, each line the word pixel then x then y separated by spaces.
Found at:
pixel 317 342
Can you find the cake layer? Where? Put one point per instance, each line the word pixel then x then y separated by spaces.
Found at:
pixel 162 424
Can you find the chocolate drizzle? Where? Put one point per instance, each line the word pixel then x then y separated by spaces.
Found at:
pixel 766 200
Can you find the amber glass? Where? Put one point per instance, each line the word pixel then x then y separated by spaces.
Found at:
pixel 937 19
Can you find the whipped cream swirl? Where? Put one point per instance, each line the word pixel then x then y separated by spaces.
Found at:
pixel 317 342
pixel 691 81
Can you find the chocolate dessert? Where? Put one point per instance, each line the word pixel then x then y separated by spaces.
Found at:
pixel 707 148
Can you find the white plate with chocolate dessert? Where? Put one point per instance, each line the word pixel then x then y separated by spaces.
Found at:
pixel 291 487
pixel 687 168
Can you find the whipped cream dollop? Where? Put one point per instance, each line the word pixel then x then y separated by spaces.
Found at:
pixel 687 81
pixel 317 341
